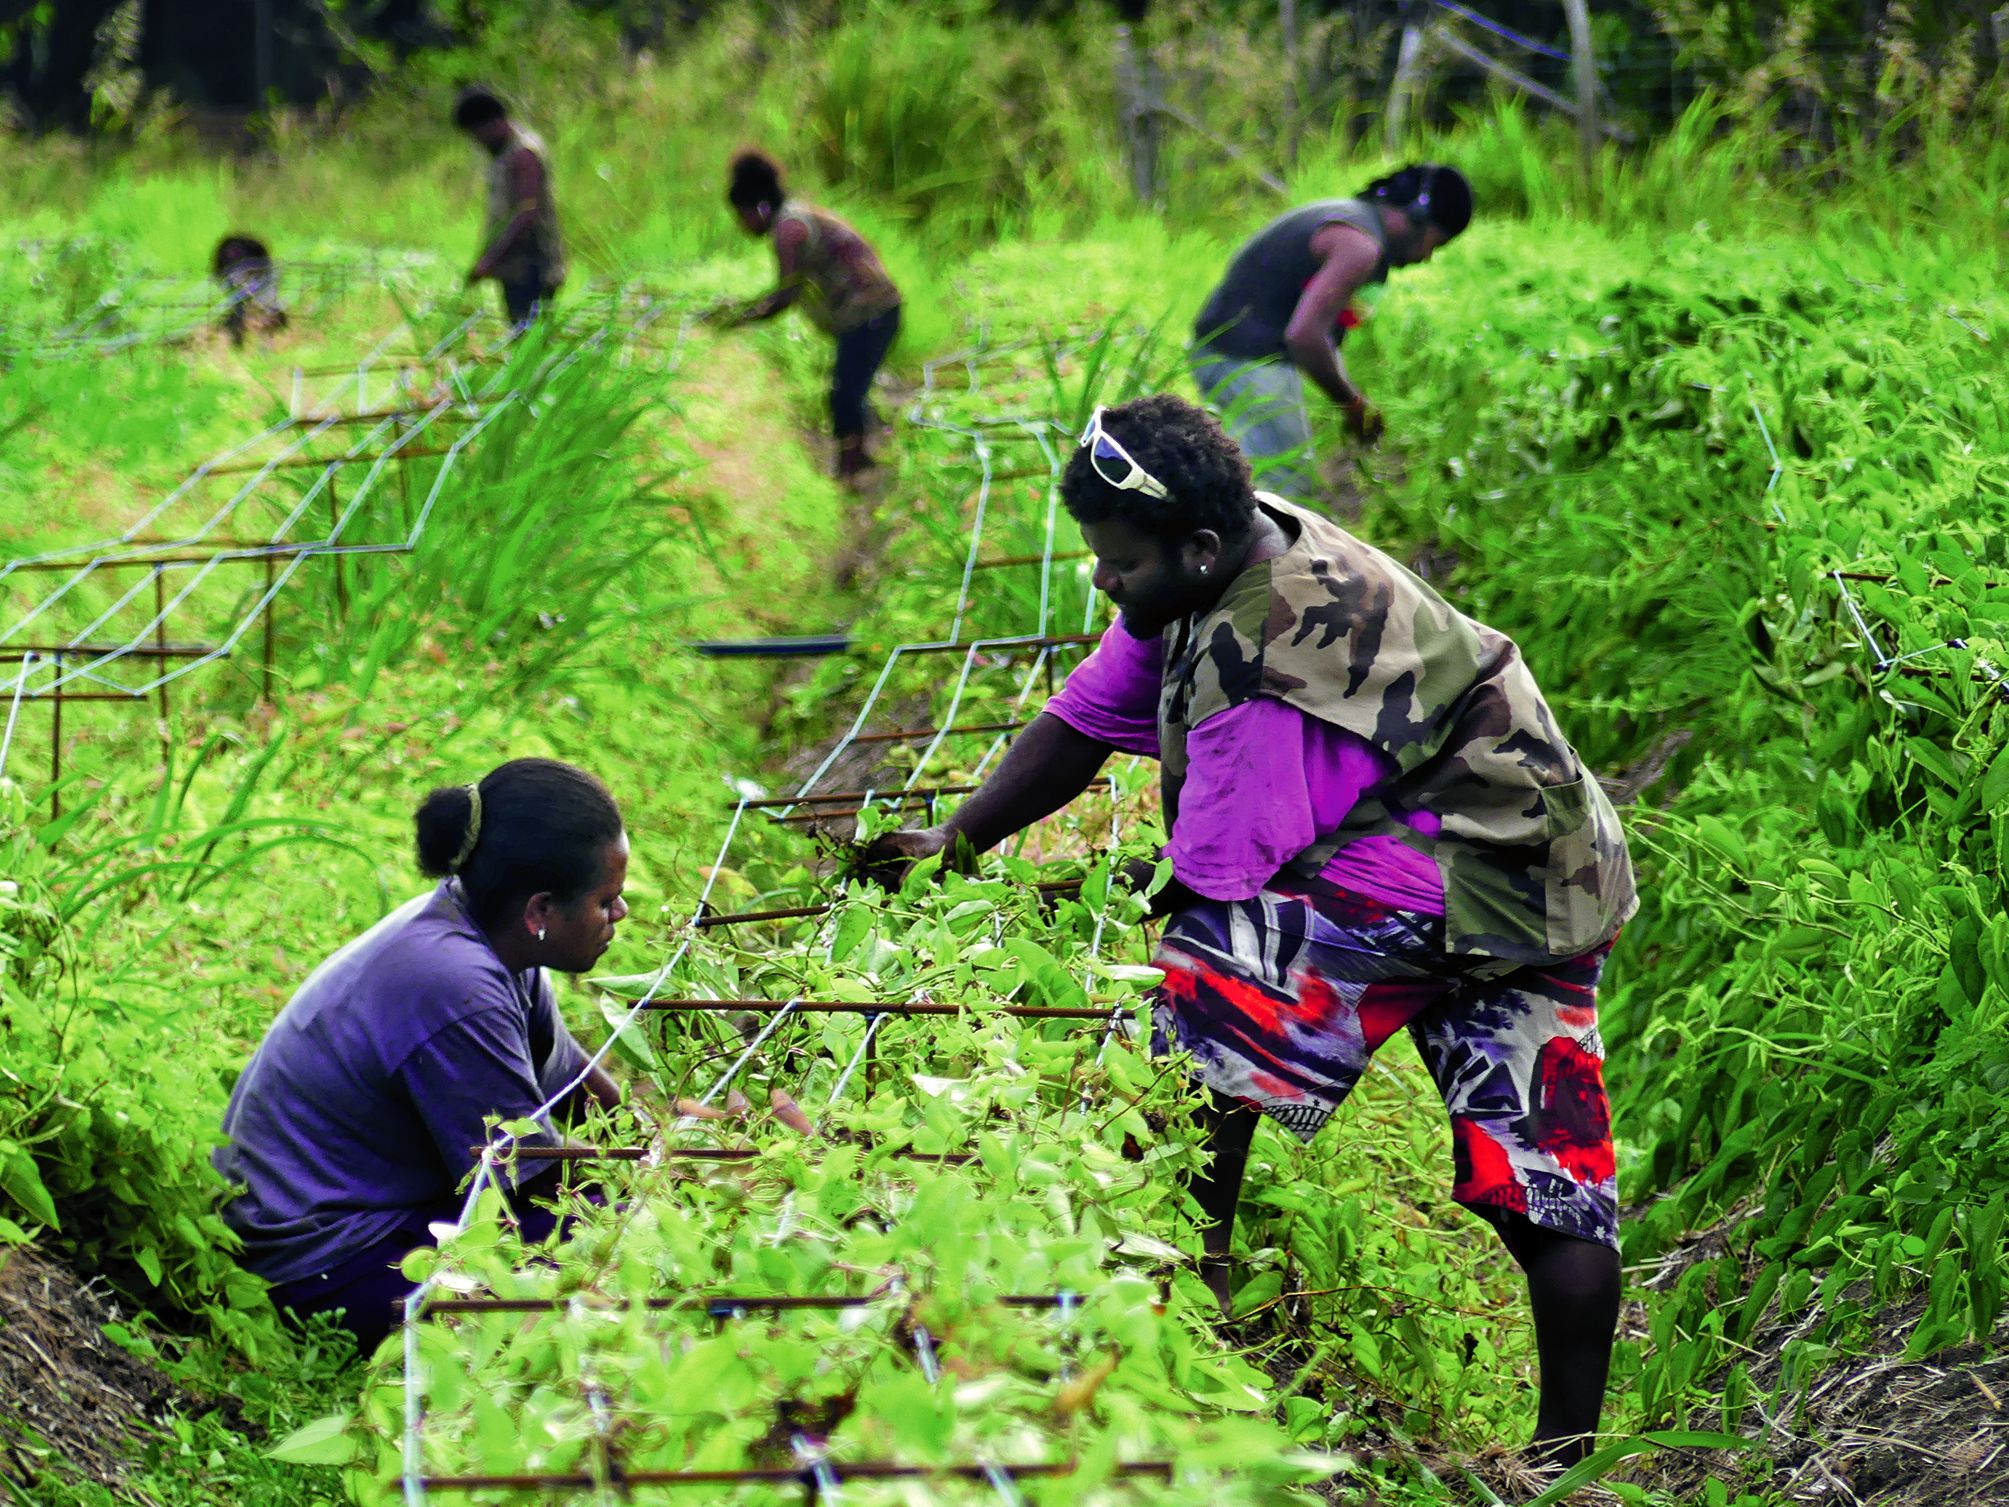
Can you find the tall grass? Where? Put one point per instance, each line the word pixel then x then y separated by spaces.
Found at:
pixel 528 536
pixel 942 127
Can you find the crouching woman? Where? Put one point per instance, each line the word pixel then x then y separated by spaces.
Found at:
pixel 349 1133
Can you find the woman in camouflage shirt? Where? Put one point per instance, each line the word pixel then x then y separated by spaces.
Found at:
pixel 1374 824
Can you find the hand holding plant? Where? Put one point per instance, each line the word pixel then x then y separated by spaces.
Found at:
pixel 1364 421
pixel 888 858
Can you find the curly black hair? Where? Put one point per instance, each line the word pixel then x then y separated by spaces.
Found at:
pixel 756 179
pixel 1442 194
pixel 476 106
pixel 234 250
pixel 1206 477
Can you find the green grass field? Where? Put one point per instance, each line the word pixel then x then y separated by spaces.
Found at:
pixel 1717 439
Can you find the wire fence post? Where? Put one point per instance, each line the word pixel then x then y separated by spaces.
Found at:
pixel 265 656
pixel 334 529
pixel 160 643
pixel 1137 90
pixel 1583 63
pixel 1408 75
pixel 1294 65
pixel 56 747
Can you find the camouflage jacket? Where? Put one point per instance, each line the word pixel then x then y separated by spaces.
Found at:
pixel 1531 852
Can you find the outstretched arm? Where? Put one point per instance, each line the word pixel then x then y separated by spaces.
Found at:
pixel 1048 765
pixel 1349 259
pixel 791 238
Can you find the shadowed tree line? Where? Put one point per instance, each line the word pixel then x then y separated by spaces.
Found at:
pixel 76 64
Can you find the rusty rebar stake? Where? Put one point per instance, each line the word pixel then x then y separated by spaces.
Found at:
pixel 922 734
pixel 784 1475
pixel 852 1007
pixel 1001 561
pixel 722 1305
pixel 1013 647
pixel 695 1154
pixel 802 912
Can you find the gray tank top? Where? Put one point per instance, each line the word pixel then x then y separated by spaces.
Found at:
pixel 1245 316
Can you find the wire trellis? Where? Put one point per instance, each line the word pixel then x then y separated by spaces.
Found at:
pixel 820 1475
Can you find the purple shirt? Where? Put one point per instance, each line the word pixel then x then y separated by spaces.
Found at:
pixel 1263 782
pixel 360 1104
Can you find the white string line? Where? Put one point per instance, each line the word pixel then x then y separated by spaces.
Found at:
pixel 414 1492
pixel 918 417
pixel 759 1040
pixel 14 707
pixel 296 556
pixel 1766 434
pixel 872 1024
pixel 1053 465
pixel 1025 690
pixel 983 456
pixel 298 553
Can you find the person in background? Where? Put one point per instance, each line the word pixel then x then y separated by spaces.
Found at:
pixel 1287 300
pixel 522 249
pixel 837 278
pixel 348 1136
pixel 1374 824
pixel 243 266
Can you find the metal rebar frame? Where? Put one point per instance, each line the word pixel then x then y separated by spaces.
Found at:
pixel 852 1007
pixel 815 1470
pixel 1045 887
pixel 589 1154
pixel 149 311
pixel 804 1476
pixel 727 1305
pixel 85 664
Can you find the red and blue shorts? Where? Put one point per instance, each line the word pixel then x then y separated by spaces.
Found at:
pixel 1282 1000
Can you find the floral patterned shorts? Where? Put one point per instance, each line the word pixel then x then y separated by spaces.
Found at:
pixel 1283 998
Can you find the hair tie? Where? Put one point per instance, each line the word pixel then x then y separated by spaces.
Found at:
pixel 473 830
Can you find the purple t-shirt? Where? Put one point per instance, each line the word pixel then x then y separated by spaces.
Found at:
pixel 360 1104
pixel 1263 782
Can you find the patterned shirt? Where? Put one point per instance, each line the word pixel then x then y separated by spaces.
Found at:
pixel 837 277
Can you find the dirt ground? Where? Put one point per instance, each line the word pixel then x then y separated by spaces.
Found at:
pixel 70 1399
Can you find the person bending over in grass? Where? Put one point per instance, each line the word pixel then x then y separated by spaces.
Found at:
pixel 1374 823
pixel 347 1136
pixel 242 265
pixel 837 278
pixel 1287 300
pixel 522 250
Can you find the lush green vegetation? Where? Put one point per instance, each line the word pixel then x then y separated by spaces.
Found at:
pixel 1641 422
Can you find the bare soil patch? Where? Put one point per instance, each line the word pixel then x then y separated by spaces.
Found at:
pixel 70 1399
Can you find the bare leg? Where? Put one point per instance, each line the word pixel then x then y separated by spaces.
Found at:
pixel 1573 1286
pixel 1231 1128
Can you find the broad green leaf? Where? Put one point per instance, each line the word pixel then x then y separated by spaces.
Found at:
pixel 325 1441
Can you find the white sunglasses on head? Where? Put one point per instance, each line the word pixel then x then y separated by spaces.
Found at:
pixel 1102 446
